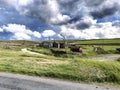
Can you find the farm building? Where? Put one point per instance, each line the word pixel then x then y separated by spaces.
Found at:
pixel 46 44
pixel 52 44
pixel 58 44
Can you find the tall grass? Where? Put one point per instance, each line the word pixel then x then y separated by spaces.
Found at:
pixel 68 67
pixel 74 69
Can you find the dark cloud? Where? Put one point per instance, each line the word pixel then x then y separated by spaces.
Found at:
pixel 104 12
pixel 83 25
pixel 68 5
pixel 116 24
pixel 74 19
pixel 91 3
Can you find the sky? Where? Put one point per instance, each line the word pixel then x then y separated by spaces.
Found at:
pixel 75 19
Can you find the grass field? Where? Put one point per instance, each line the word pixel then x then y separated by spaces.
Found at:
pixel 67 68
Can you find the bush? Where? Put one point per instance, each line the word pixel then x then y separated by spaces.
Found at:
pixel 118 59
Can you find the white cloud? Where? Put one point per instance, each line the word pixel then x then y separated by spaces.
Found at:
pixel 15 28
pixel 56 15
pixel 48 33
pixel 21 36
pixel 24 2
pixel 37 34
pixel 1 30
pixel 59 19
pixel 77 34
pixel 21 31
pixel 96 31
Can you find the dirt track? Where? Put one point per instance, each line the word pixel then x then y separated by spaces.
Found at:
pixel 30 52
pixel 108 57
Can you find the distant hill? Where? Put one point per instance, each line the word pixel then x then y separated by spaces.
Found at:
pixel 25 43
pixel 99 42
pixel 16 43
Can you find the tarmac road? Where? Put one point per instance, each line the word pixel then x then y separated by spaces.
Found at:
pixel 10 81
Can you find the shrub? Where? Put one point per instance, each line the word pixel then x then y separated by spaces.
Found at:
pixel 118 59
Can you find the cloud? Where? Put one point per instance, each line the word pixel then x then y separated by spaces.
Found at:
pixel 84 23
pixel 21 36
pixel 21 32
pixel 1 30
pixel 116 24
pixel 48 33
pixel 46 10
pixel 76 18
pixel 59 12
pixel 96 31
pixel 36 34
pixel 104 12
pixel 17 28
pixel 90 3
pixel 68 32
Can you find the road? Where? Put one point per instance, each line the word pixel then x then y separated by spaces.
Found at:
pixel 10 81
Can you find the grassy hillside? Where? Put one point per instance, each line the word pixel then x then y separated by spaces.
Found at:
pixel 74 68
pixel 16 44
pixel 99 42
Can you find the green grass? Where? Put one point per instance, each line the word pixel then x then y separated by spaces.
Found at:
pixel 46 51
pixel 108 49
pixel 74 69
pixel 87 51
pixel 68 67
